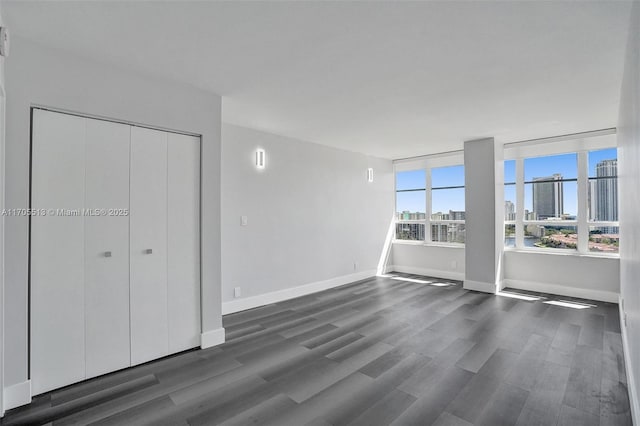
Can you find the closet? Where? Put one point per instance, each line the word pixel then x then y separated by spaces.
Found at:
pixel 114 247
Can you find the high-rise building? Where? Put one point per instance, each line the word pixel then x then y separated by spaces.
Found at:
pixel 509 210
pixel 607 190
pixel 407 215
pixel 456 215
pixel 410 231
pixel 548 196
pixel 439 232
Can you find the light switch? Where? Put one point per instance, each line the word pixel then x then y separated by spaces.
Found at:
pixel 237 292
pixel 243 220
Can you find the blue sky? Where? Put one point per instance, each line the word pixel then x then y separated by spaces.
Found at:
pixel 444 200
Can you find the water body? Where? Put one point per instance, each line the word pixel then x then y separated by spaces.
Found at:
pixel 511 242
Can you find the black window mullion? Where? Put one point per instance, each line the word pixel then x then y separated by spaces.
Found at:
pixel 447 187
pixel 410 190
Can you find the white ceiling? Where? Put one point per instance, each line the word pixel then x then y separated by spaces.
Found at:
pixel 390 79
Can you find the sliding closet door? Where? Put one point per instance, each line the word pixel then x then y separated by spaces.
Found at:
pixel 184 242
pixel 57 251
pixel 148 225
pixel 107 247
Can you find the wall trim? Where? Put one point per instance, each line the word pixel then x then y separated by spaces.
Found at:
pixel 484 287
pixel 448 275
pixel 561 290
pixel 212 338
pixel 631 384
pixel 17 395
pixel 238 305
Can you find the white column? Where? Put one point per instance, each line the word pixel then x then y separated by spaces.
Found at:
pixel 484 206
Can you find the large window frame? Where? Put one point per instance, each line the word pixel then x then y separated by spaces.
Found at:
pixel 581 145
pixel 427 163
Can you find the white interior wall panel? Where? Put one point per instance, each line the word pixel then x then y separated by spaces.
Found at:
pixel 57 252
pixel 148 244
pixel 183 243
pixel 107 247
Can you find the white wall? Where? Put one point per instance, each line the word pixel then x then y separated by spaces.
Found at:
pixel 629 181
pixel 2 157
pixel 311 215
pixel 589 277
pixel 436 261
pixel 41 76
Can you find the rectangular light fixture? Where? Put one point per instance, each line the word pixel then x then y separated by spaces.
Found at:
pixel 260 158
pixel 370 174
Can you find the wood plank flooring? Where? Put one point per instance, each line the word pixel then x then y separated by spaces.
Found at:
pixel 395 350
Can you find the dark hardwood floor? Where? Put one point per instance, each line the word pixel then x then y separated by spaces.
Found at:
pixel 400 350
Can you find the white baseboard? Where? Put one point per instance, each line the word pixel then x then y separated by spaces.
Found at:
pixel 293 292
pixel 388 268
pixel 212 338
pixel 582 293
pixel 449 275
pixel 17 395
pixel 480 286
pixel 629 367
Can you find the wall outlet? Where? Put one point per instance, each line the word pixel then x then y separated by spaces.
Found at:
pixel 244 220
pixel 355 266
pixel 237 292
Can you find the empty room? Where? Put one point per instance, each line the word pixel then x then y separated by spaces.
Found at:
pixel 294 213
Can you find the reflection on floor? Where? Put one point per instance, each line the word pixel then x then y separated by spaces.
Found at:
pixel 399 349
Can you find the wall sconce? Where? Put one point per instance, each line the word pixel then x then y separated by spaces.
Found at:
pixel 370 174
pixel 260 158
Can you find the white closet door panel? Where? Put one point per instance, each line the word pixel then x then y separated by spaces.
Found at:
pixel 148 230
pixel 107 247
pixel 57 251
pixel 183 242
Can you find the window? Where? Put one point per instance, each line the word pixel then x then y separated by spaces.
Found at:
pixel 411 205
pixel 510 203
pixel 603 201
pixel 437 190
pixel 447 204
pixel 566 201
pixel 550 201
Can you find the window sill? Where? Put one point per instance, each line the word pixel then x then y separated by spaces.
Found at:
pixel 563 253
pixel 409 242
pixel 433 244
pixel 445 245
